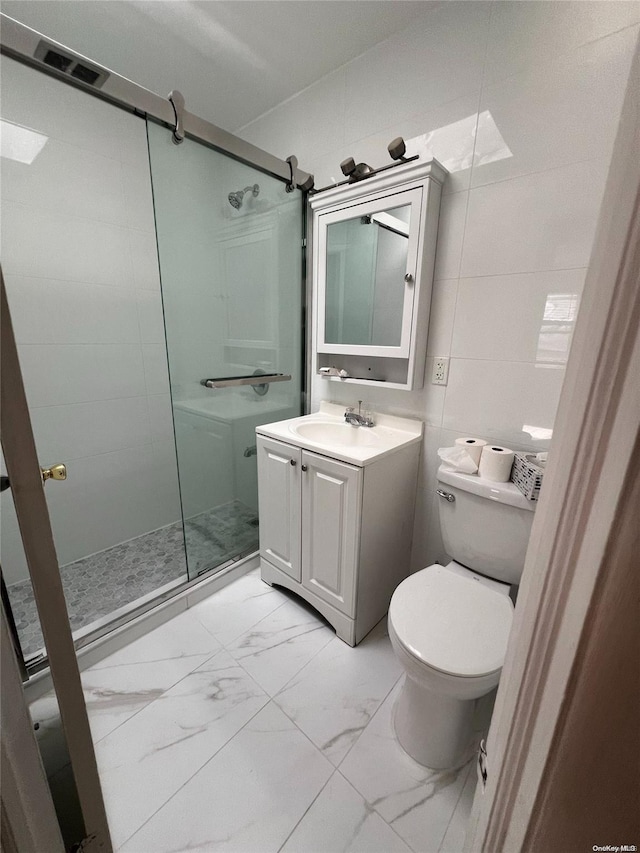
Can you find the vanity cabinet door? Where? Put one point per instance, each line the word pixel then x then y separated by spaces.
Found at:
pixel 279 504
pixel 331 510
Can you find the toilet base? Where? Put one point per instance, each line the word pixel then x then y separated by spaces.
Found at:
pixel 435 730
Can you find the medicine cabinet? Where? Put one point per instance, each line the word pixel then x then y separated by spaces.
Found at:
pixel 374 247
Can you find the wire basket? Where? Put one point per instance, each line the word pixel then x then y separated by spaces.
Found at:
pixel 527 475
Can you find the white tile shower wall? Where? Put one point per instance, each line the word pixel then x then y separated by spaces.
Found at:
pixel 521 102
pixel 80 262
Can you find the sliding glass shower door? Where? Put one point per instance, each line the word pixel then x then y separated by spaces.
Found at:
pixel 81 272
pixel 229 245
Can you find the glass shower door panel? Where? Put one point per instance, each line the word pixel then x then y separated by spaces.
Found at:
pixel 229 243
pixel 81 271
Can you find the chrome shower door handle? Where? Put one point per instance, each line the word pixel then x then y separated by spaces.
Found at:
pixel 232 381
pixel 446 495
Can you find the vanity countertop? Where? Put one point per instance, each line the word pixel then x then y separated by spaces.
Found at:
pixel 327 433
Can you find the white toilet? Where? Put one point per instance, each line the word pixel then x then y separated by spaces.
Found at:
pixel 449 625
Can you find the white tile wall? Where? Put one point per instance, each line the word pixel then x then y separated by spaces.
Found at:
pixel 518 212
pixel 80 261
pixel 417 70
pixel 541 221
pixel 514 307
pixel 44 244
pixel 556 102
pixel 534 33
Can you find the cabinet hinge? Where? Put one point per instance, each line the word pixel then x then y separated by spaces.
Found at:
pixel 304 242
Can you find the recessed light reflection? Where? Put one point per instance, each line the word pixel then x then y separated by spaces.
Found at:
pixel 453 144
pixel 20 143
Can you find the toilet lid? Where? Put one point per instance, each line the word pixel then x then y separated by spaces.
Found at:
pixel 452 623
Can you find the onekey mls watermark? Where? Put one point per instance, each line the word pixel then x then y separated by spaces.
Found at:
pixel 615 848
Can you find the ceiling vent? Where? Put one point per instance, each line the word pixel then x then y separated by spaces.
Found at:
pixel 52 56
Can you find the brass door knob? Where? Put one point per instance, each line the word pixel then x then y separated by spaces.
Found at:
pixel 56 472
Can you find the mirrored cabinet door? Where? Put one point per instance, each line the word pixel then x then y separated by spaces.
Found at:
pixel 367 259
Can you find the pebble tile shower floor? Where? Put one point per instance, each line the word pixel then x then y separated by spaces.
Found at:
pixel 245 724
pixel 98 585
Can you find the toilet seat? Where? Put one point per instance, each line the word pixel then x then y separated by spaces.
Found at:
pixel 450 621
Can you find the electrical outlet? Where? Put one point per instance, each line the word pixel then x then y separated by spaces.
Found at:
pixel 440 371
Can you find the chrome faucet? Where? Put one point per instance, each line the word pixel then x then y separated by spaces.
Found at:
pixel 356 418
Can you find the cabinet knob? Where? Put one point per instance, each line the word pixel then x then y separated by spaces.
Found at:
pixel 292 462
pixel 408 278
pixel 304 467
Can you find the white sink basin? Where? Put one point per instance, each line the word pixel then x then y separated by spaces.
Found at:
pixel 341 434
pixel 326 433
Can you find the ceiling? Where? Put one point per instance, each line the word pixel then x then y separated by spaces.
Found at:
pixel 232 59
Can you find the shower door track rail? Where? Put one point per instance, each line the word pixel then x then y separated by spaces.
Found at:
pixel 21 42
pixel 107 624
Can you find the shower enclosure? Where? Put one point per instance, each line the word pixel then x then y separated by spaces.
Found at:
pixel 156 292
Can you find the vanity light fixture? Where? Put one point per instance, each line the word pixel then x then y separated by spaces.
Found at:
pixel 397 149
pixel 355 172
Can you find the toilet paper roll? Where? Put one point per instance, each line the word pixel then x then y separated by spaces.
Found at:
pixel 473 446
pixel 495 463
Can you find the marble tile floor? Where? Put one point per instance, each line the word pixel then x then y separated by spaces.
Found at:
pixel 100 584
pixel 244 724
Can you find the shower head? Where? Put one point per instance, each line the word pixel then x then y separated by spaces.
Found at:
pixel 235 199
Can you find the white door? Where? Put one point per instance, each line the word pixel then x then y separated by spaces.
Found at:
pixel 331 501
pixel 279 505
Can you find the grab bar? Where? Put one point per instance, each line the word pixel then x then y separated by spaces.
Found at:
pixel 229 381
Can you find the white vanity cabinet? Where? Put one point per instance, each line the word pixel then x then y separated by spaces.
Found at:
pixel 337 534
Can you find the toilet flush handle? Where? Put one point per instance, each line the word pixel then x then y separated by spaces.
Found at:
pixel 446 495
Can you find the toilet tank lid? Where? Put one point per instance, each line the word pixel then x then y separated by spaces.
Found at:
pixel 505 493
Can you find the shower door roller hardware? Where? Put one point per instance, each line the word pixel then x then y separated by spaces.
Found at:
pixel 56 472
pixel 292 160
pixel 446 495
pixel 177 102
pixel 306 185
pixel 408 278
pixel 483 771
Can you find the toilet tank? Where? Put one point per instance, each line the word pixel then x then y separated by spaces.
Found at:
pixel 486 527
